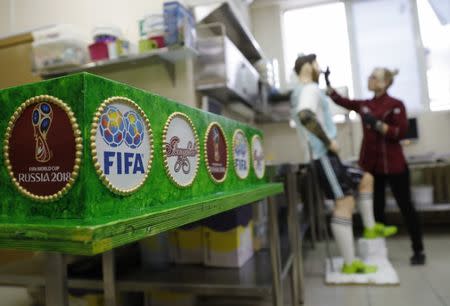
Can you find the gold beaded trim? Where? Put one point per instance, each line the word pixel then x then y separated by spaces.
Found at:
pixel 166 163
pixel 78 146
pixel 94 128
pixel 261 143
pixel 248 148
pixel 206 152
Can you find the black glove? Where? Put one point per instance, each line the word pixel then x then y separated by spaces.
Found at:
pixel 326 73
pixel 369 119
pixel 375 124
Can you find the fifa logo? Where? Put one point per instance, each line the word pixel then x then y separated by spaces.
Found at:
pixel 117 128
pixel 41 119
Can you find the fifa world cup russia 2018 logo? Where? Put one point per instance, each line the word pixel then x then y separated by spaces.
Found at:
pixel 42 117
pixel 215 132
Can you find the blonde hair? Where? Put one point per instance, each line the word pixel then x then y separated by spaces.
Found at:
pixel 389 76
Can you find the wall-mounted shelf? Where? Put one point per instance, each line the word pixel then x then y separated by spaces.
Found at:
pixel 167 55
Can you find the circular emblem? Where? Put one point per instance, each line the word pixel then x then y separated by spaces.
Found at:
pixel 180 149
pixel 259 164
pixel 43 148
pixel 216 152
pixel 121 141
pixel 241 154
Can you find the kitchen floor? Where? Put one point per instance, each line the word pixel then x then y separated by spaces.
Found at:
pixel 419 286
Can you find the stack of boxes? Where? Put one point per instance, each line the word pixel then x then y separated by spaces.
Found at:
pixel 152 31
pixel 225 240
pixel 175 27
pixel 108 44
pixel 179 25
pixel 228 238
pixel 186 244
pixel 260 222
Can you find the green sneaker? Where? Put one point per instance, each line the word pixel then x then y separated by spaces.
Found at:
pixel 386 230
pixel 358 267
pixel 379 231
pixel 371 233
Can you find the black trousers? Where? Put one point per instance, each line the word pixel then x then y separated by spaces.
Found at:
pixel 401 189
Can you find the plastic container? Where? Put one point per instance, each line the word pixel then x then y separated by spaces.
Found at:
pixel 108 43
pixel 150 24
pixel 59 46
pixel 179 25
pixel 109 50
pixel 99 51
pixel 111 32
pixel 59 53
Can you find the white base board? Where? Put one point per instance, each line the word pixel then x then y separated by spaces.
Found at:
pixel 386 275
pixel 372 248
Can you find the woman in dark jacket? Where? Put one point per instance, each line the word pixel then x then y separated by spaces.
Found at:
pixel 384 124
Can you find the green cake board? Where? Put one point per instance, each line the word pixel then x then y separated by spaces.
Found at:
pixel 90 218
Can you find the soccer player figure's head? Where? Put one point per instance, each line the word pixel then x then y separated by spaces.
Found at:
pixel 306 67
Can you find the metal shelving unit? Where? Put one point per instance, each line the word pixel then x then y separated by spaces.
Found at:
pixel 261 276
pixel 167 55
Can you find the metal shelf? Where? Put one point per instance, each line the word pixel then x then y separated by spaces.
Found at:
pixel 252 279
pixel 257 278
pixel 167 55
pixel 238 33
pixel 429 208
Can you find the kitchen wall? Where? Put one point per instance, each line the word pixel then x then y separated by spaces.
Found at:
pixel 24 15
pixel 433 126
pixel 5 19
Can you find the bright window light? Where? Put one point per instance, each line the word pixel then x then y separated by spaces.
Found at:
pixel 321 30
pixel 435 37
pixel 339 118
pixel 353 115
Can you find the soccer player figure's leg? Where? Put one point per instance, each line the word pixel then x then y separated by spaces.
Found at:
pixel 365 206
pixel 341 226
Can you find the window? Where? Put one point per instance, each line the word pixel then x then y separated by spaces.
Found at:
pixel 321 30
pixel 384 36
pixel 435 37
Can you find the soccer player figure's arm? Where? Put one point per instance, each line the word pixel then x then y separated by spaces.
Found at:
pixel 309 121
pixel 307 108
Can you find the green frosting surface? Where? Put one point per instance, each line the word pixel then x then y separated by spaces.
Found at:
pixel 90 213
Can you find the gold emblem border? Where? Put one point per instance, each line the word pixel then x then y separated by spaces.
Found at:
pixel 78 147
pixel 166 163
pixel 98 113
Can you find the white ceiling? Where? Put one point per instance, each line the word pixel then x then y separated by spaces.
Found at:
pixel 288 3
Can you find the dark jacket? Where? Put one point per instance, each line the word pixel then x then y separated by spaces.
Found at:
pixel 380 154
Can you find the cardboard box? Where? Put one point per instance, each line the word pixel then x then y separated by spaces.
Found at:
pixel 228 238
pixel 169 298
pixel 87 300
pixel 186 244
pixel 155 250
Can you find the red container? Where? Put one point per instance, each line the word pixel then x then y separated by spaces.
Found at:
pixel 159 40
pixel 99 51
